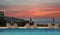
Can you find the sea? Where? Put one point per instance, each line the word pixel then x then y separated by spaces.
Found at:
pixel 43 20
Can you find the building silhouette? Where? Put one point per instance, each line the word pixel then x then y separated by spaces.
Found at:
pixel 30 21
pixel 53 20
pixel 2 20
pixel 53 24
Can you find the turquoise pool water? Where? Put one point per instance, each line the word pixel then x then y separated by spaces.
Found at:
pixel 30 31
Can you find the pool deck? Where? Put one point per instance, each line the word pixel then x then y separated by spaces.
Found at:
pixel 21 27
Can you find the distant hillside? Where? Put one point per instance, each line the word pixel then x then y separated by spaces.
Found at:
pixel 8 19
pixel 12 20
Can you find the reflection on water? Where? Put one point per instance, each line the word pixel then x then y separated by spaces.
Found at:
pixel 29 30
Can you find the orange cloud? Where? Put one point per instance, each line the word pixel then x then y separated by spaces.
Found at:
pixel 24 11
pixel 29 14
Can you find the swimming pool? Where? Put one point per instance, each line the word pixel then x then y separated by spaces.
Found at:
pixel 30 31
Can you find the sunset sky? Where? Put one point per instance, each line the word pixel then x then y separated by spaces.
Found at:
pixel 29 8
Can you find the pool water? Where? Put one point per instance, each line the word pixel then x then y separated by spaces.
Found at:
pixel 30 31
